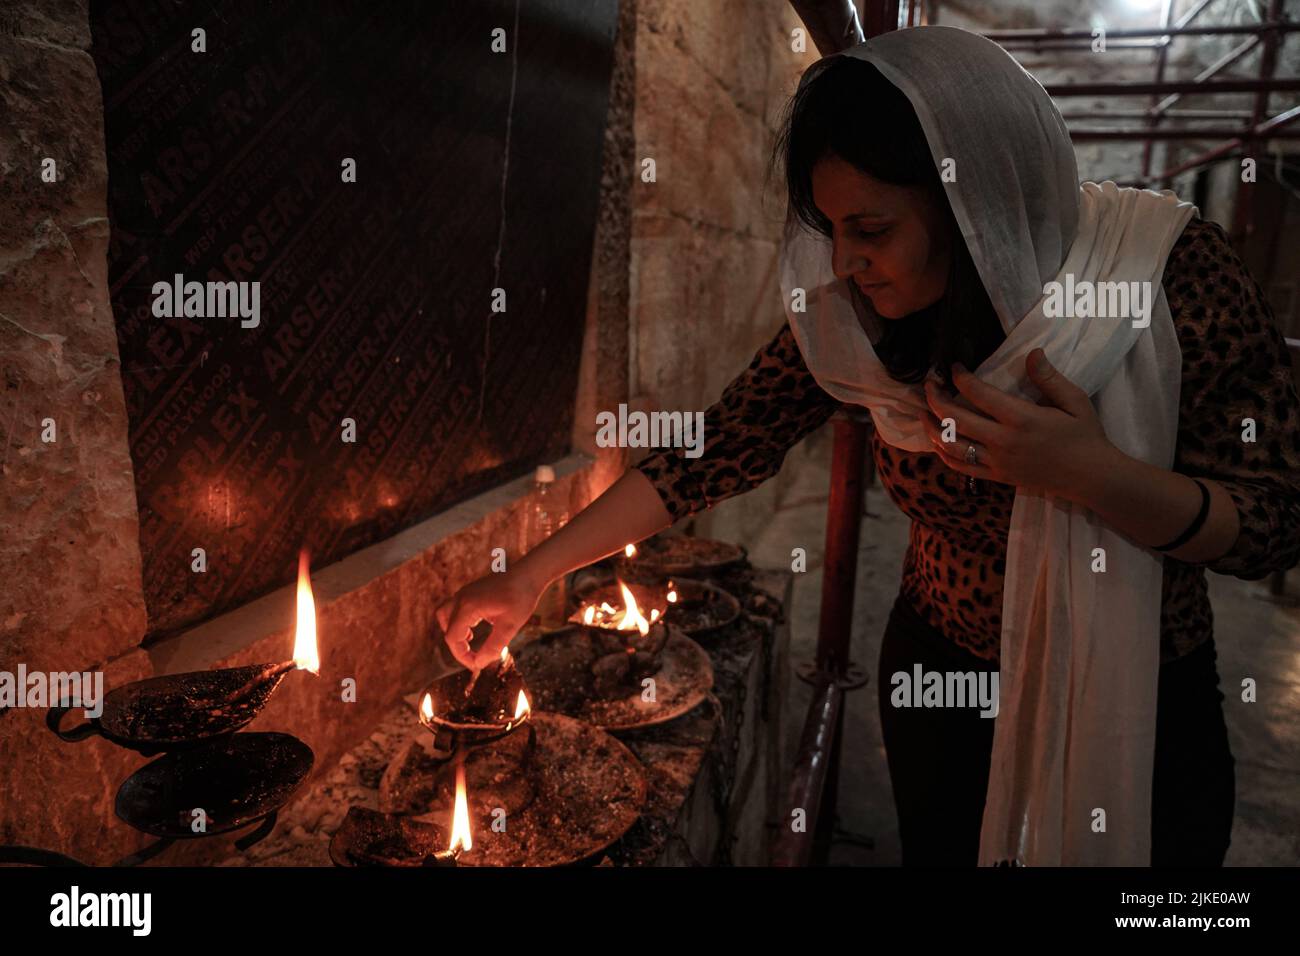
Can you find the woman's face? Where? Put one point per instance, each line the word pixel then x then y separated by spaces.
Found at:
pixel 889 240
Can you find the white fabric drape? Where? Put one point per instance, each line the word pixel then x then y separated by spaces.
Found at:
pixel 1075 730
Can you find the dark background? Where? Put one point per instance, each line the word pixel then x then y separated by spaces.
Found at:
pixel 375 295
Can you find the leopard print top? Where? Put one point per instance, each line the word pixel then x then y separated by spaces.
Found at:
pixel 1235 366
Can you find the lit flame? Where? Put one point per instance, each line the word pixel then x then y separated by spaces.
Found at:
pixel 426 708
pixel 521 711
pixel 632 617
pixel 461 840
pixel 505 654
pixel 672 597
pixel 305 654
pixel 630 551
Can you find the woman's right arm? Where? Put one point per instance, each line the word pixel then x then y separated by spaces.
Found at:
pixel 764 412
pixel 629 510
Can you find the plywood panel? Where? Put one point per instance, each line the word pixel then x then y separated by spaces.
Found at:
pixel 475 170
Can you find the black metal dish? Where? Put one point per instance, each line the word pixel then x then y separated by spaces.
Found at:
pixel 14 855
pixel 466 711
pixel 176 711
pixel 237 781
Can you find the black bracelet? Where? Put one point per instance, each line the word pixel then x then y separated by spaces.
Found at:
pixel 1195 526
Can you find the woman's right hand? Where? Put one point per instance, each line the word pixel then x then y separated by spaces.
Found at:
pixel 629 510
pixel 505 600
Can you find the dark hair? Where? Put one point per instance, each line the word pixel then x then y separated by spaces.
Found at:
pixel 846 107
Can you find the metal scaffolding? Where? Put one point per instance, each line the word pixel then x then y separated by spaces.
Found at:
pixel 1268 35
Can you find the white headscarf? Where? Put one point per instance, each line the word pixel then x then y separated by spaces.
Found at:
pixel 1080 650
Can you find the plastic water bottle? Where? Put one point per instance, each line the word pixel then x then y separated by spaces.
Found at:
pixel 548 515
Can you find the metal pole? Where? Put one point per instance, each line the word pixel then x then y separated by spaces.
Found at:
pixel 808 782
pixel 1216 132
pixel 1243 217
pixel 1082 46
pixel 1284 84
pixel 1192 14
pixel 1168 114
pixel 1277 122
pixel 1202 159
pixel 1226 60
pixel 1033 36
pixel 843 519
pixel 1161 56
pixel 824 835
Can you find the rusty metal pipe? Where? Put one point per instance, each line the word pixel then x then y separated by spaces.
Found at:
pixel 1169 114
pixel 1202 159
pixel 1162 55
pixel 1162 108
pixel 1033 36
pixel 1284 84
pixel 1262 130
pixel 1267 61
pixel 843 522
pixel 817 746
pixel 1243 215
pixel 1191 14
pixel 1152 135
pixel 1081 46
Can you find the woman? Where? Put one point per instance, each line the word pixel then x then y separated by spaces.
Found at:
pixel 934 206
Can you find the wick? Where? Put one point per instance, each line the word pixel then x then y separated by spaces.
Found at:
pixel 270 672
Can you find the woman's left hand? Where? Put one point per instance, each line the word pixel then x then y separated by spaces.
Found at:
pixel 1057 445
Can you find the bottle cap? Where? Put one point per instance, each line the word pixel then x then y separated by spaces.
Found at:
pixel 545 474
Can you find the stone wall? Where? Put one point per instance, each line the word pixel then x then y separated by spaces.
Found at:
pixel 712 79
pixel 69 555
